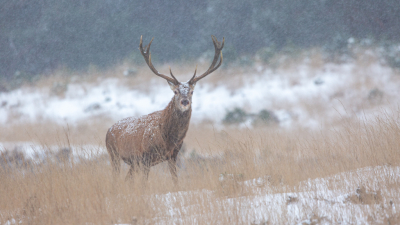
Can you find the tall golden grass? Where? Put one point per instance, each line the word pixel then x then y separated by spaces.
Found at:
pixel 56 190
pixel 214 167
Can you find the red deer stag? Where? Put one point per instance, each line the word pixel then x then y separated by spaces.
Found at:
pixel 158 136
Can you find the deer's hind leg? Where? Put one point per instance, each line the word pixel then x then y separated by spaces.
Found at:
pixel 129 175
pixel 146 166
pixel 132 169
pixel 115 160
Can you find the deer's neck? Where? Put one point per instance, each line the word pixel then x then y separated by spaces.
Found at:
pixel 175 123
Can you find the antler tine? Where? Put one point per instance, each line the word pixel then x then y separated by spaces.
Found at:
pixel 194 75
pixel 147 57
pixel 170 71
pixel 218 54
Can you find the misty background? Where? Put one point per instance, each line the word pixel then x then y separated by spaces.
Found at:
pixel 40 36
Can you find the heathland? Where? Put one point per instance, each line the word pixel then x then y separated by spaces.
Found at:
pixel 303 139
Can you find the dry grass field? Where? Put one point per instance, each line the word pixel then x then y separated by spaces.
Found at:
pixel 345 170
pixel 219 182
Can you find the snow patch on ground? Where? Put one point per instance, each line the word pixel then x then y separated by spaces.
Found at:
pixel 323 200
pixel 315 201
pixel 34 151
pixel 291 95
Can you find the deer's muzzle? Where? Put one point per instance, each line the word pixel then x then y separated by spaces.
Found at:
pixel 185 102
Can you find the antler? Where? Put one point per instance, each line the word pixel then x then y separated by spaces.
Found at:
pixel 147 57
pixel 218 47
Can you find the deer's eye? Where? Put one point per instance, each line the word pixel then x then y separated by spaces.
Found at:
pixel 176 92
pixel 191 92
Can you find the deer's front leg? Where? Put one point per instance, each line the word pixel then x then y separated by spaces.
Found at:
pixel 172 170
pixel 172 165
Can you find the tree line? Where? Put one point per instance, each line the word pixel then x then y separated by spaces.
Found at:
pixel 39 36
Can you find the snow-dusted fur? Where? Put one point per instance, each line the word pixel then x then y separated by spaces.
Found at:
pixel 149 140
pixel 154 138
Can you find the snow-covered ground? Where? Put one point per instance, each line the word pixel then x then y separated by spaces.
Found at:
pixel 338 199
pixel 35 151
pixel 304 95
pixel 354 197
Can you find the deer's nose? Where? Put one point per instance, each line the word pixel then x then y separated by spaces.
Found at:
pixel 185 102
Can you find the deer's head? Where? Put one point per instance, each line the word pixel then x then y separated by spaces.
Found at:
pixel 184 90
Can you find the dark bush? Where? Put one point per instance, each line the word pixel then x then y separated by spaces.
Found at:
pixel 265 118
pixel 236 116
pixel 391 54
pixel 14 159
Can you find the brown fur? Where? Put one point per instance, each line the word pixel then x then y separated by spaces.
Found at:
pixel 157 137
pixel 149 139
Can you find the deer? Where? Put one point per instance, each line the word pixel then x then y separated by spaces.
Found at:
pixel 143 142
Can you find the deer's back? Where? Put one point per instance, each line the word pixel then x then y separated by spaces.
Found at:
pixel 133 136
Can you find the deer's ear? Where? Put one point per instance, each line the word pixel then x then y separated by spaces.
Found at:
pixel 172 85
